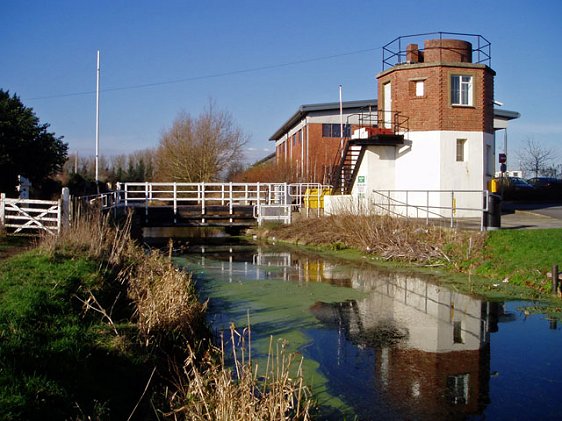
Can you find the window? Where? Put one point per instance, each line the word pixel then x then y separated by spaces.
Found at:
pixel 457 389
pixel 461 90
pixel 461 150
pixel 419 88
pixel 457 333
pixel 333 130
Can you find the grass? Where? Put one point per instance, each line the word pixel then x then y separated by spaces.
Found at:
pixel 89 319
pixel 522 257
pixel 54 359
pixel 10 246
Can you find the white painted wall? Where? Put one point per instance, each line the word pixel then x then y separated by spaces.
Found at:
pixel 424 310
pixel 377 169
pixel 427 161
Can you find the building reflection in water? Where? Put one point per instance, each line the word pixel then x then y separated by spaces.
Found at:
pixel 430 344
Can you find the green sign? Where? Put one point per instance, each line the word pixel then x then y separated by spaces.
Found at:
pixel 361 179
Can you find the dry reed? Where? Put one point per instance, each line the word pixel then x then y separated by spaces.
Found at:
pixel 387 237
pixel 164 297
pixel 208 390
pixel 165 306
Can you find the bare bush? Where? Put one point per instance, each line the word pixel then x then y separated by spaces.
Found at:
pixel 200 149
pixel 385 236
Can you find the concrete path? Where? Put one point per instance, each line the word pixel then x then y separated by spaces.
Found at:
pixel 520 215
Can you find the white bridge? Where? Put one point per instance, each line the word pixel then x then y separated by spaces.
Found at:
pixel 213 204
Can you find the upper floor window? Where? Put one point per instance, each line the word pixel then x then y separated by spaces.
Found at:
pixel 461 90
pixel 420 88
pixel 334 130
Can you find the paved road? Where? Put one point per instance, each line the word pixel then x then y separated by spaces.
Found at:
pixel 520 215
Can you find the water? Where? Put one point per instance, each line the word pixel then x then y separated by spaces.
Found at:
pixel 386 345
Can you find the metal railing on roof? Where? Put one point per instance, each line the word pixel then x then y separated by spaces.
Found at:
pixel 394 52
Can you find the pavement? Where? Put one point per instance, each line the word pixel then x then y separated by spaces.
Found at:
pixel 522 215
pixel 529 215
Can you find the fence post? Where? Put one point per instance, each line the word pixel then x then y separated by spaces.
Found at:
pixel 2 205
pixel 59 216
pixel 231 199
pixel 203 201
pixel 555 279
pixel 65 196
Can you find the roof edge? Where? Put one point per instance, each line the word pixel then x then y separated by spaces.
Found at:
pixel 304 109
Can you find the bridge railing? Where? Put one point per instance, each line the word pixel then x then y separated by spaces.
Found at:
pixel 202 194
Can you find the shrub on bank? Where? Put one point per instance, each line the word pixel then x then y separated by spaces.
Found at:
pixel 505 258
pixel 385 237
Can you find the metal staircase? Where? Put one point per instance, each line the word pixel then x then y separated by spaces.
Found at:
pixel 346 170
pixel 366 133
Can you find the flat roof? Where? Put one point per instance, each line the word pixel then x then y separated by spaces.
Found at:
pixel 506 114
pixel 305 109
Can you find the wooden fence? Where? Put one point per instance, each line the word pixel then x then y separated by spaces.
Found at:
pixel 33 217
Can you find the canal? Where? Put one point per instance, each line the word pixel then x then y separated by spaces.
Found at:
pixel 380 344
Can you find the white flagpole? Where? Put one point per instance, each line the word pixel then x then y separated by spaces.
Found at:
pixel 97 117
pixel 341 123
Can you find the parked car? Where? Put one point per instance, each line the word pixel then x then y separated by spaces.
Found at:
pixel 514 188
pixel 548 188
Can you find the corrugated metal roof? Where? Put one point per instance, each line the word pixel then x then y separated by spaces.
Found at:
pixel 304 109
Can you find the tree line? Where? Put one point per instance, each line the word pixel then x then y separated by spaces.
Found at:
pixel 203 148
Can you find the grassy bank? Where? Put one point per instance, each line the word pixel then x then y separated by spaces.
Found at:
pixel 10 246
pixel 92 326
pixel 501 264
pixel 54 358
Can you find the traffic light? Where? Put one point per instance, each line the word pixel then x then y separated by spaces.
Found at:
pixel 502 158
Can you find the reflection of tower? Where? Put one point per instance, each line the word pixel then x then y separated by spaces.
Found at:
pixel 431 344
pixel 442 368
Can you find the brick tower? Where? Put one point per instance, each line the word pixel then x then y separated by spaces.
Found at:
pixel 445 92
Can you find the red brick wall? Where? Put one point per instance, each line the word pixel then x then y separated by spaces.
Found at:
pixel 431 371
pixel 434 111
pixel 322 152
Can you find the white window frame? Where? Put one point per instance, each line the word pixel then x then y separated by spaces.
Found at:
pixel 420 87
pixel 462 90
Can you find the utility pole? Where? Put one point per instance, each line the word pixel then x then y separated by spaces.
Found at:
pixel 97 118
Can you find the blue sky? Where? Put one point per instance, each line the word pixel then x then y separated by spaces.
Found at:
pixel 259 60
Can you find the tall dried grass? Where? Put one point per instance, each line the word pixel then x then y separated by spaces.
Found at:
pixel 167 311
pixel 387 237
pixel 208 390
pixel 92 235
pixel 164 298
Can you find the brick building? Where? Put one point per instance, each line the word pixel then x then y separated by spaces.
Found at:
pixel 433 128
pixel 311 137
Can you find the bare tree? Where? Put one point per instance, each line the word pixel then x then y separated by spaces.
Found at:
pixel 535 158
pixel 205 148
